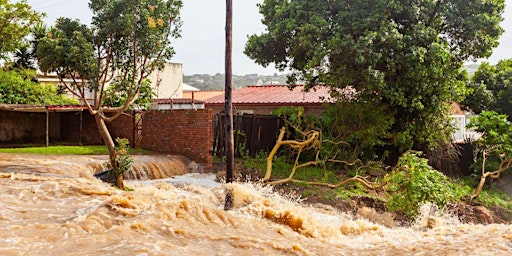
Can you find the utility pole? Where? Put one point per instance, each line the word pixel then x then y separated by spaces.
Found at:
pixel 230 152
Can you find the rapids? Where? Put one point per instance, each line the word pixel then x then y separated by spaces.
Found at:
pixel 55 206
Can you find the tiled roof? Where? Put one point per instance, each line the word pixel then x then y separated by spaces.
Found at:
pixel 202 95
pixel 456 109
pixel 41 108
pixel 275 94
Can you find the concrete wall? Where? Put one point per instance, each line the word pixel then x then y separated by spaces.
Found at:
pixel 171 81
pixel 88 134
pixel 21 127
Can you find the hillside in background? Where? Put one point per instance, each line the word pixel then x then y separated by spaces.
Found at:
pixel 216 82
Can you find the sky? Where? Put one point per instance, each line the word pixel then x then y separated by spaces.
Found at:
pixel 201 47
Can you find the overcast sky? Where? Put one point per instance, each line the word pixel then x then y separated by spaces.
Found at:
pixel 201 48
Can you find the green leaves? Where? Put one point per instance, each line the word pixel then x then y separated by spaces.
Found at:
pixel 16 19
pixel 406 55
pixel 492 88
pixel 413 183
pixel 496 133
pixel 17 87
pixel 127 41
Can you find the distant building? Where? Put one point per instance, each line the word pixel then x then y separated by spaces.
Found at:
pixel 167 83
pixel 189 88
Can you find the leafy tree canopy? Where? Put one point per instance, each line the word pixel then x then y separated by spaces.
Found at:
pixel 16 19
pixel 403 55
pixel 492 88
pixel 17 87
pixel 113 57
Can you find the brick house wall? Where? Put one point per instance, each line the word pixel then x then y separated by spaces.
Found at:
pixel 182 132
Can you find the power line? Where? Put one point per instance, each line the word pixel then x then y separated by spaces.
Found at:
pixel 43 5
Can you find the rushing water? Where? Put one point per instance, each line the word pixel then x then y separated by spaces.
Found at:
pixel 54 206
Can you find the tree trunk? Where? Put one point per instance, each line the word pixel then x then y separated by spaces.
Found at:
pixel 105 134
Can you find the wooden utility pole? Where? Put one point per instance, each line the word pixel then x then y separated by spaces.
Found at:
pixel 230 152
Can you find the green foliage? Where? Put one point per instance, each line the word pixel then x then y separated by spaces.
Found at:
pixel 491 88
pixel 496 140
pixel 17 87
pixel 241 144
pixel 123 158
pixel 413 183
pixel 131 38
pixel 363 125
pixel 16 20
pixel 126 42
pixel 64 150
pixel 59 150
pixel 405 57
pixel 115 95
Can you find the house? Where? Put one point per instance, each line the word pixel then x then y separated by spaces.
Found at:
pixel 265 98
pixel 167 83
pixel 460 120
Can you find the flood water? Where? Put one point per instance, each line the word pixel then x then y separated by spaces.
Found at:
pixel 55 206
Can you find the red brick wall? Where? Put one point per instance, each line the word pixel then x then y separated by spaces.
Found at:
pixel 123 127
pixel 183 132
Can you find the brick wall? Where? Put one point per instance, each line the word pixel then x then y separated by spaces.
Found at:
pixel 183 132
pixel 123 127
pixel 180 132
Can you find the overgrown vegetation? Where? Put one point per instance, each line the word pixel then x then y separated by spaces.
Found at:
pixel 494 148
pixel 313 161
pixel 20 87
pixel 123 159
pixel 413 183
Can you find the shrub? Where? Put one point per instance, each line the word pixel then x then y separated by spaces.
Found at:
pixel 413 183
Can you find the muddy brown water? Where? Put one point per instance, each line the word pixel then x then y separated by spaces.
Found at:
pixel 54 206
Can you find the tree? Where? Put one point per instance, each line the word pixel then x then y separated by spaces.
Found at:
pixel 404 56
pixel 494 147
pixel 125 43
pixel 16 20
pixel 17 87
pixel 492 88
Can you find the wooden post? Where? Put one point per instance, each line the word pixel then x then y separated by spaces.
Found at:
pixel 230 153
pixel 47 127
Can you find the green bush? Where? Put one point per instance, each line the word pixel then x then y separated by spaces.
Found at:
pixel 17 87
pixel 413 183
pixel 123 158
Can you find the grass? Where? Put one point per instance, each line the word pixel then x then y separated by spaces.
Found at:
pixel 64 150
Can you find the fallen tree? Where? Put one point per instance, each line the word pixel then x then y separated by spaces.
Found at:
pixel 312 141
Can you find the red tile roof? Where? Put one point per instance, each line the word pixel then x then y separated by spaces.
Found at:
pixel 275 94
